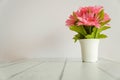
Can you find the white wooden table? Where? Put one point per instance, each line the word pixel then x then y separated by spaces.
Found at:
pixel 38 69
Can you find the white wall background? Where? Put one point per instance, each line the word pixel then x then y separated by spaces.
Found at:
pixel 36 28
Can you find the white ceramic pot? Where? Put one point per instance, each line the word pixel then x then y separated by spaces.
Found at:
pixel 89 48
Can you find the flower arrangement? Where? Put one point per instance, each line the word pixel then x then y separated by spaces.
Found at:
pixel 89 22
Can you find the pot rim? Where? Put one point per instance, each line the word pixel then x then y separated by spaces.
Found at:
pixel 89 39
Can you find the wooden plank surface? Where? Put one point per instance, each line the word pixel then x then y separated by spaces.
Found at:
pixel 110 67
pixel 7 64
pixel 10 71
pixel 84 71
pixel 45 71
pixel 53 69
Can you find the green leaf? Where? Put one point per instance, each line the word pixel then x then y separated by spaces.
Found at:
pixel 102 36
pixel 103 28
pixel 78 29
pixel 101 14
pixel 77 37
pixel 90 36
pixel 103 23
pixel 94 34
pixel 88 29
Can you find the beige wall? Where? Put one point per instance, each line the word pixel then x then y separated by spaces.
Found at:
pixel 36 28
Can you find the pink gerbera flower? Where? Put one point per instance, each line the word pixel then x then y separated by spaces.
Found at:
pixel 88 16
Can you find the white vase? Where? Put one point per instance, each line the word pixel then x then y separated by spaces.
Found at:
pixel 89 48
